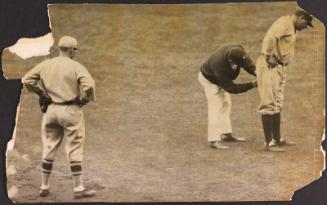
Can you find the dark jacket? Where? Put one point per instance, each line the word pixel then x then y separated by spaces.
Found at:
pixel 218 71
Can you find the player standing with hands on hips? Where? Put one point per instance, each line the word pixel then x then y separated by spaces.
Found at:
pixel 64 86
pixel 216 77
pixel 276 54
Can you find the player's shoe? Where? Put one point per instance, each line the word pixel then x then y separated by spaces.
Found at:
pixel 44 192
pixel 86 193
pixel 230 138
pixel 217 145
pixel 282 142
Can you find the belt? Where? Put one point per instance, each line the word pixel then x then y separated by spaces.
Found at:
pixel 70 102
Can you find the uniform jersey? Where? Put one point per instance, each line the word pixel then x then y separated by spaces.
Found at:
pixel 280 39
pixel 63 79
pixel 218 71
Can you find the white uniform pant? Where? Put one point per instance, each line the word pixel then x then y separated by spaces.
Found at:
pixel 59 122
pixel 219 109
pixel 271 83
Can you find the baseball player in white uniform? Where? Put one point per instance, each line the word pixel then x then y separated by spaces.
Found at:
pixel 276 54
pixel 66 86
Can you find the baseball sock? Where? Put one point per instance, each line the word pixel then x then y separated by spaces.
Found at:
pixel 276 128
pixel 267 124
pixel 76 170
pixel 45 173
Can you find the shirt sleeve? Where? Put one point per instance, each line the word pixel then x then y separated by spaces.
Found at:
pixel 249 66
pixel 31 79
pixel 230 87
pixel 33 76
pixel 275 32
pixel 86 82
pixel 268 44
pixel 250 69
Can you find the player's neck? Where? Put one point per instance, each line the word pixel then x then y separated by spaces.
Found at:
pixel 63 54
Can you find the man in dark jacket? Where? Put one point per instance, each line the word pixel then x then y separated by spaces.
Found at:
pixel 216 77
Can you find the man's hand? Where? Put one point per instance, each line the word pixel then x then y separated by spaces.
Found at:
pixel 255 84
pixel 44 102
pixel 82 101
pixel 272 61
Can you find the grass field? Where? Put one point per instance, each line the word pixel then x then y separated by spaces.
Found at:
pixel 146 133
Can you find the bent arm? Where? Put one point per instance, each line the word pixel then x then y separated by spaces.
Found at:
pixel 250 67
pixel 87 83
pixel 31 81
pixel 231 87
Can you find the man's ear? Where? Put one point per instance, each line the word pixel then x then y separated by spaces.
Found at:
pixel 302 18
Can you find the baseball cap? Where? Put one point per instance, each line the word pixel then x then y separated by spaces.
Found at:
pixel 307 17
pixel 68 42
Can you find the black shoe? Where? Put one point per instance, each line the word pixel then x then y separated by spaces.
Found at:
pixel 86 193
pixel 44 192
pixel 230 138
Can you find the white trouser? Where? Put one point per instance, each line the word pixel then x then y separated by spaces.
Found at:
pixel 219 109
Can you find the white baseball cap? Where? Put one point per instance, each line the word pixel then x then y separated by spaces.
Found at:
pixel 68 42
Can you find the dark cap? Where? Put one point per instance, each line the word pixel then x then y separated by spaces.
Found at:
pixel 239 56
pixel 306 16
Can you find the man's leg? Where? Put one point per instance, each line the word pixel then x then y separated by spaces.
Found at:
pixel 268 84
pixel 267 124
pixel 75 134
pixel 226 125
pixel 51 135
pixel 76 170
pixel 268 128
pixel 276 128
pixel 225 112
pixel 279 85
pixel 45 173
pixel 218 112
pixel 218 119
pixel 278 140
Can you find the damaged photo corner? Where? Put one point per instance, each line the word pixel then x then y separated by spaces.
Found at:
pixel 139 122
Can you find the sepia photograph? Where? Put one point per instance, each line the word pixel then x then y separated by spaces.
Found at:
pixel 168 103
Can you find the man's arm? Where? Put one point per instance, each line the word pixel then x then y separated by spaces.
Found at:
pixel 31 80
pixel 231 87
pixel 86 82
pixel 250 70
pixel 249 66
pixel 271 41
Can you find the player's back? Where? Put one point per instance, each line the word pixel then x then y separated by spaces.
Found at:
pixel 59 78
